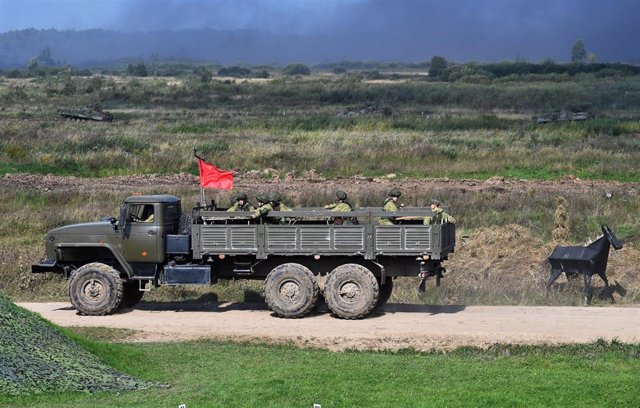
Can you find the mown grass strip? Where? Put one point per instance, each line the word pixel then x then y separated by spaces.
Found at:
pixel 211 374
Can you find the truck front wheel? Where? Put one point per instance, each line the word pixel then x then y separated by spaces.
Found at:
pixel 291 290
pixel 351 291
pixel 95 289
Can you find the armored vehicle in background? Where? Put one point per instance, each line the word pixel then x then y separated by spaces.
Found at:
pixel 111 263
pixel 86 114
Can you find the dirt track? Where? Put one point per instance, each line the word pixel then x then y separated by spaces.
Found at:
pixel 397 326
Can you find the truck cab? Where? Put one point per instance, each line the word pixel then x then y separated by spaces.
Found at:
pixel 134 244
pixel 145 222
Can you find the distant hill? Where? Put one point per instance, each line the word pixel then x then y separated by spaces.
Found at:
pixel 99 47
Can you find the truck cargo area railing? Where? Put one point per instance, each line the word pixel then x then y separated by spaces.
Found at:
pixel 313 231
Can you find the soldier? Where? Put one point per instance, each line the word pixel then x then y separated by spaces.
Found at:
pixel 391 205
pixel 262 199
pixel 342 204
pixel 242 203
pixel 274 204
pixel 440 216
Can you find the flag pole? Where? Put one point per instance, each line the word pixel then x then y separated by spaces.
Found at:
pixel 203 202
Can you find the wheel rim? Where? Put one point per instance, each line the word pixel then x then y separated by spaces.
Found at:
pixel 350 292
pixel 290 291
pixel 94 291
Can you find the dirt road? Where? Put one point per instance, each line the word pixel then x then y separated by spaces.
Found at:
pixel 396 326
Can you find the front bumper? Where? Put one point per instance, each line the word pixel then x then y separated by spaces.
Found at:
pixel 46 265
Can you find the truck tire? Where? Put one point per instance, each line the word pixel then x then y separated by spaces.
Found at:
pixel 95 289
pixel 351 291
pixel 291 290
pixel 131 295
pixel 385 292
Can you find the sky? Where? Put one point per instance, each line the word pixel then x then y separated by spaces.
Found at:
pixel 409 30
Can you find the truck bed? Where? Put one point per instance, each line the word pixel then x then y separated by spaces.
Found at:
pixel 307 234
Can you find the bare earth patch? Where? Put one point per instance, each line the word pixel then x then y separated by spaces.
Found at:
pixel 396 326
pixel 295 184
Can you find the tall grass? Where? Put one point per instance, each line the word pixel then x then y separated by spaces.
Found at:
pixel 446 129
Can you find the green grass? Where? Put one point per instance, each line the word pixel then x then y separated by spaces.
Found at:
pixel 453 130
pixel 211 374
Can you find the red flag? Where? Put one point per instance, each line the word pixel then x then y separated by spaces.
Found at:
pixel 211 177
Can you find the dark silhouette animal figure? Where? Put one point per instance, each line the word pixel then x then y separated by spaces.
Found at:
pixel 586 260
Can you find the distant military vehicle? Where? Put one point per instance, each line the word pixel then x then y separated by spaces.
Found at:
pixel 367 109
pixel 561 117
pixel 113 262
pixel 86 114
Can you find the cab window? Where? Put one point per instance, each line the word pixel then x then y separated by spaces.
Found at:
pixel 140 213
pixel 172 212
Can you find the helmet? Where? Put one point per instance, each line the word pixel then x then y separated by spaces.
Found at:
pixel 262 197
pixel 242 196
pixel 395 193
pixel 275 197
pixel 434 201
pixel 341 195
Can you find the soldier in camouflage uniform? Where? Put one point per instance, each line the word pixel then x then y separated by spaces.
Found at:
pixel 262 199
pixel 242 203
pixel 341 205
pixel 440 216
pixel 391 205
pixel 273 204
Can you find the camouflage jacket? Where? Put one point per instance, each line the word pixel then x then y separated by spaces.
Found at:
pixel 238 207
pixel 440 217
pixel 263 210
pixel 339 206
pixel 390 206
pixel 267 208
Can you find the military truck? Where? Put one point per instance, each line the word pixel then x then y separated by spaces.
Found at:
pixel 112 262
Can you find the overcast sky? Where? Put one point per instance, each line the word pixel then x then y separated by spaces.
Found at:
pixel 410 30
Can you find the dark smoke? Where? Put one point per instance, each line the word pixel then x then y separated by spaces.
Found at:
pixel 407 30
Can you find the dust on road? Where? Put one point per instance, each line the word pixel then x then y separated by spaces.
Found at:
pixel 396 326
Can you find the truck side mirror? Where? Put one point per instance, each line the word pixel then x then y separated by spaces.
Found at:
pixel 123 213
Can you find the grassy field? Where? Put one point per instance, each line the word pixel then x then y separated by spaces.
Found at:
pixel 210 374
pixel 338 126
pixel 333 124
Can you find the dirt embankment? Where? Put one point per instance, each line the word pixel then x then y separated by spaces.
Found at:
pixel 295 184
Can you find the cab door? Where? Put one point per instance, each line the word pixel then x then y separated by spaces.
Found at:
pixel 141 233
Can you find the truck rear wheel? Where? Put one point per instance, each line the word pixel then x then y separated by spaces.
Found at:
pixel 351 291
pixel 385 292
pixel 291 290
pixel 95 289
pixel 132 294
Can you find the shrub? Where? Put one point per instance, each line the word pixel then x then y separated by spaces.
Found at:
pixel 235 71
pixel 296 69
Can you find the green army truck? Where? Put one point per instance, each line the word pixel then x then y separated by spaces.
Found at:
pixel 112 262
